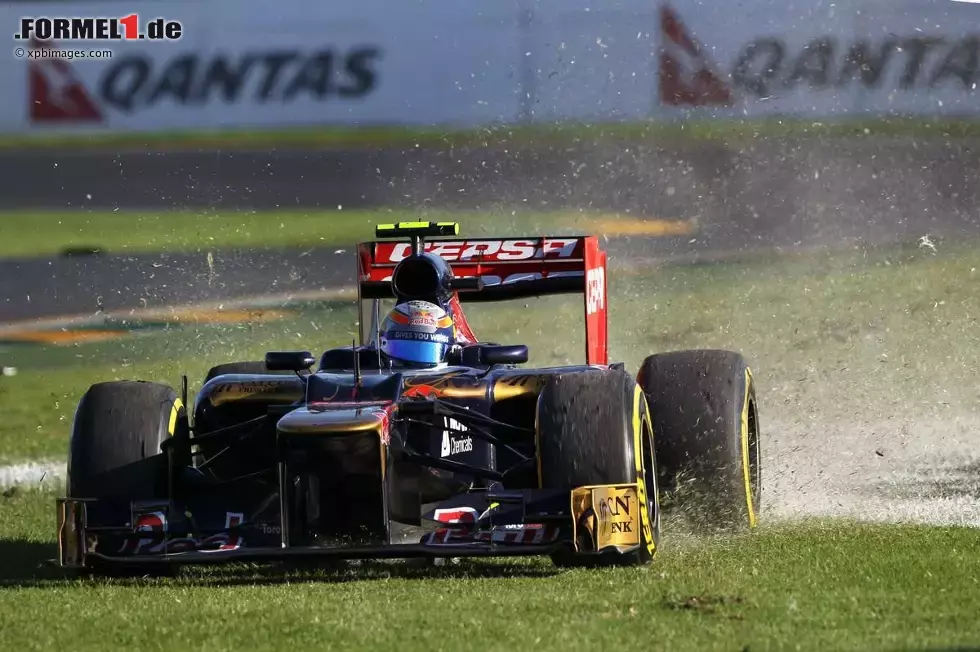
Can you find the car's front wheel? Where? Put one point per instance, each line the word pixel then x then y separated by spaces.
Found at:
pixel 594 428
pixel 115 451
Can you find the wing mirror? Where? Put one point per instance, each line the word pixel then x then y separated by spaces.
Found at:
pixel 500 354
pixel 289 360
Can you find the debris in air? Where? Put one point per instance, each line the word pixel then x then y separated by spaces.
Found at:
pixel 926 243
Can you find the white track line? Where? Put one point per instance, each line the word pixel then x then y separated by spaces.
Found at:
pixel 31 473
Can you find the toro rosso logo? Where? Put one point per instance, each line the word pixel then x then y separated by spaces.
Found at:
pixel 486 250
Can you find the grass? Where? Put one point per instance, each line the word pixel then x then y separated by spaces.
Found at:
pixel 873 332
pixel 810 586
pixel 37 233
pixel 319 137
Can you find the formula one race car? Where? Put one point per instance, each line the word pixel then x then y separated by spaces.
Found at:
pixel 349 455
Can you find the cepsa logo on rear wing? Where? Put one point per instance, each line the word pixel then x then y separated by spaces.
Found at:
pixel 487 251
pixel 510 268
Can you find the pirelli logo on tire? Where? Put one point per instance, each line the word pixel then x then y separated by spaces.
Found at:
pixel 606 516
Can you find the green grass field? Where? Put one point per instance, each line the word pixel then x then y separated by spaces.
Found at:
pixel 503 135
pixel 38 233
pixel 830 337
pixel 811 586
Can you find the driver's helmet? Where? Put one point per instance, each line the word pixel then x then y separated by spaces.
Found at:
pixel 417 334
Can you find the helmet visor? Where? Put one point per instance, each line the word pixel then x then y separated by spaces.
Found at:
pixel 416 351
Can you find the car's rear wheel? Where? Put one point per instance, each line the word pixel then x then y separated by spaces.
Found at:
pixel 594 428
pixel 706 426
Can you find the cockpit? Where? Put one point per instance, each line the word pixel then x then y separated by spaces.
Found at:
pixel 481 355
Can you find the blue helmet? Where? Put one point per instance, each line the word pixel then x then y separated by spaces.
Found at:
pixel 418 333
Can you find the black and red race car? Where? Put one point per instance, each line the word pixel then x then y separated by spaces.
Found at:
pixel 345 455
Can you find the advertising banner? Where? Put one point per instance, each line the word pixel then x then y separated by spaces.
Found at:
pixel 822 59
pixel 173 65
pixel 274 64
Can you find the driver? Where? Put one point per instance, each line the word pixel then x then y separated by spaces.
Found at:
pixel 418 334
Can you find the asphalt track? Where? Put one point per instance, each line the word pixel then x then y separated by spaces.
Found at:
pixel 773 194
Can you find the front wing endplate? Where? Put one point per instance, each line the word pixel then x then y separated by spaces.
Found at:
pixel 72 538
pixel 606 517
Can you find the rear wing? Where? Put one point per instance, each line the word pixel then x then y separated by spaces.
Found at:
pixel 509 268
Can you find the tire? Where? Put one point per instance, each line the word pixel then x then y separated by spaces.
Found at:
pixel 114 451
pixel 706 426
pixel 594 429
pixel 250 367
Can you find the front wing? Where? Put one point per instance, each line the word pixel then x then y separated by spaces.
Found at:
pixel 601 519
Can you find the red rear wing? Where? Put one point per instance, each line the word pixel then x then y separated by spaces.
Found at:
pixel 510 268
